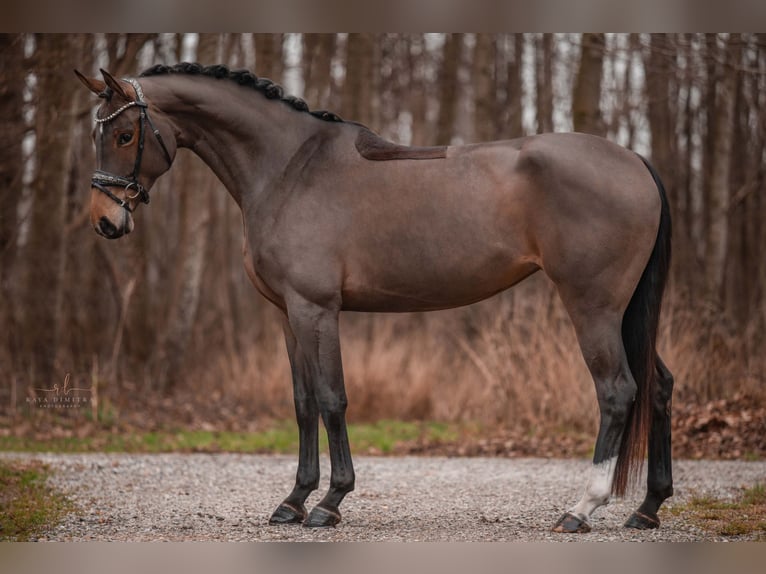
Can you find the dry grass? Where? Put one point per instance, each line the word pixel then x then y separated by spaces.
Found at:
pixel 511 361
pixel 710 357
pixel 743 516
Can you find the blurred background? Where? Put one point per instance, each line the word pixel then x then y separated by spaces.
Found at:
pixel 164 328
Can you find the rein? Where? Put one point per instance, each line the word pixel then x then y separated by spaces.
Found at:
pixel 103 180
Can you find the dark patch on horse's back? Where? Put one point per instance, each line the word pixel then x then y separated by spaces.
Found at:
pixel 373 147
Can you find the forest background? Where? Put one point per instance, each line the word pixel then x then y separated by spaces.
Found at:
pixel 164 328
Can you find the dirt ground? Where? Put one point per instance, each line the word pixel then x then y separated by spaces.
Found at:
pixel 129 497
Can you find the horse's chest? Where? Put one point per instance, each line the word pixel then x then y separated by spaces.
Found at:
pixel 261 279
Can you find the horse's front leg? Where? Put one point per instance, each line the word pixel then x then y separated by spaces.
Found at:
pixel 316 331
pixel 292 509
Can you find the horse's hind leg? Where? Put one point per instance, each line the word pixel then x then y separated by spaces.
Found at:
pixel 599 334
pixel 292 509
pixel 660 476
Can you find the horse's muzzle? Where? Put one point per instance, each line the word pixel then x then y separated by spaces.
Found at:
pixel 107 229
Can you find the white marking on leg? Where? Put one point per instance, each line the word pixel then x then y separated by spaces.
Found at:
pixel 598 490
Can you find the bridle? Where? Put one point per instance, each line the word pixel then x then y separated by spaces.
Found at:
pixel 103 180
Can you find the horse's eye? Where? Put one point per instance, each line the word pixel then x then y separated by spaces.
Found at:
pixel 124 138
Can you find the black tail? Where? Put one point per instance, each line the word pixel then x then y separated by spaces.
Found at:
pixel 639 336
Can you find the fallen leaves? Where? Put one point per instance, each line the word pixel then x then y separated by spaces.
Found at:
pixel 724 429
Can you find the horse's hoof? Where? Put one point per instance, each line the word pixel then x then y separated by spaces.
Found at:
pixel 288 514
pixel 321 517
pixel 569 523
pixel 641 521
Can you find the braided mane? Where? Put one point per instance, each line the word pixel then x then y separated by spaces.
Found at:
pixel 244 78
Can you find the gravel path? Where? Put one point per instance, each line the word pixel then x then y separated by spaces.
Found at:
pixel 231 496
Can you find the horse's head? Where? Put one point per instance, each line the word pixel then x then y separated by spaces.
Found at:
pixel 135 144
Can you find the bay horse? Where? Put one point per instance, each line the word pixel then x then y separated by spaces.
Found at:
pixel 338 219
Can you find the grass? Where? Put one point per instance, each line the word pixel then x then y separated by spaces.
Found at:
pixel 743 516
pixel 381 437
pixel 28 505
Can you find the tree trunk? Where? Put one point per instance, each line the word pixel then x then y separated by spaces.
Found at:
pixel 418 89
pixel 485 88
pixel 122 50
pixel 514 89
pixel 736 282
pixel 713 76
pixel 45 248
pixel 194 184
pixel 12 81
pixel 660 68
pixel 586 96
pixel 318 50
pixel 448 87
pixel 758 201
pixel 268 56
pixel 634 47
pixel 544 78
pixel 359 85
pixel 685 265
pixel 718 231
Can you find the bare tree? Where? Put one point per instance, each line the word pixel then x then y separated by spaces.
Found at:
pixel 485 87
pixel 195 185
pixel 269 57
pixel 12 80
pixel 318 50
pixel 514 88
pixel 448 86
pixel 586 96
pixel 718 231
pixel 544 79
pixel 658 70
pixel 359 86
pixel 46 245
pixel 417 62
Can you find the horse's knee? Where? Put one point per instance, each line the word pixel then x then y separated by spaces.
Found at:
pixel 332 403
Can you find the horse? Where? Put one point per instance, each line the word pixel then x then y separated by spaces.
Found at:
pixel 336 218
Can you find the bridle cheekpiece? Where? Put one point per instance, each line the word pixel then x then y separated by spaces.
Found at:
pixel 103 180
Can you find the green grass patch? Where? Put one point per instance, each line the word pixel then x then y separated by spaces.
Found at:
pixel 27 504
pixel 746 515
pixel 381 437
pixel 755 496
pixel 384 436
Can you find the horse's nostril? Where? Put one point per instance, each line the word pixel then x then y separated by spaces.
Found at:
pixel 107 228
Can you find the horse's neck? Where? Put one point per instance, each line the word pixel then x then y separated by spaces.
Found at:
pixel 245 139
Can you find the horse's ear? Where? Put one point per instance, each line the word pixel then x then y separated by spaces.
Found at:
pixel 94 85
pixel 115 84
